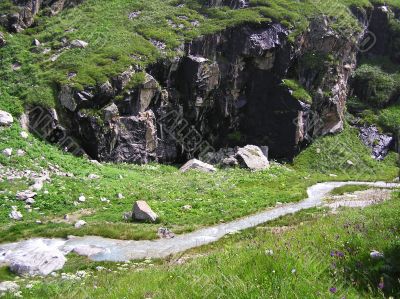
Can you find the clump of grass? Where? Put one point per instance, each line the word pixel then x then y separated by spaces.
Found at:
pixel 349 189
pixel 298 91
pixel 375 86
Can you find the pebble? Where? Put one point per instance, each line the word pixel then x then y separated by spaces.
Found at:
pixel 7 152
pixel 80 224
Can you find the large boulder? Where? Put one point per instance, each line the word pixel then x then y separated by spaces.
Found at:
pixel 34 257
pixel 143 212
pixel 195 164
pixel 252 157
pixel 6 118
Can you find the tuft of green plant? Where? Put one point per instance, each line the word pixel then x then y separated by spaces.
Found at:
pixel 374 86
pixel 298 91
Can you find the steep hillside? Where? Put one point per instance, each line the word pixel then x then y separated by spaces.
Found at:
pixel 271 73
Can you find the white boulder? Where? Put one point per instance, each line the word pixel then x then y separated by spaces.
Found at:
pixel 198 165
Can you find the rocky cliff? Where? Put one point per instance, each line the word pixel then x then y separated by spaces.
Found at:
pixel 227 89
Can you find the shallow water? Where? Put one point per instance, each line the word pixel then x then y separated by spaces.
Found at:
pixel 103 249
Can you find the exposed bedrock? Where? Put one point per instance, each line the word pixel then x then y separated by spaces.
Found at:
pixel 25 11
pixel 226 90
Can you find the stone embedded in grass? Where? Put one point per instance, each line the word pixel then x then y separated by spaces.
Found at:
pixel 134 15
pixel 376 255
pixel 24 134
pixel 6 118
pixel 77 43
pixel 25 195
pixel 7 152
pixel 165 233
pixel 36 43
pixel 93 176
pixel 82 198
pixel 128 216
pixel 187 207
pixel 195 164
pixel 15 214
pixel 8 287
pixel 143 212
pixel 80 224
pixel 20 153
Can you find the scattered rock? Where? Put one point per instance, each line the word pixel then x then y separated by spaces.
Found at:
pixel 20 153
pixel 134 15
pixel 95 162
pixel 143 212
pixel 82 198
pixel 269 252
pixel 30 201
pixel 376 255
pixel 8 286
pixel 93 176
pixel 38 185
pixel 77 43
pixel 120 196
pixel 187 207
pixel 252 157
pixel 128 216
pixel 7 152
pixel 195 164
pixel 36 43
pixel 24 195
pixel 24 134
pixel 349 162
pixel 165 233
pixel 6 118
pixel 80 224
pixel 103 199
pixel 379 143
pixel 15 214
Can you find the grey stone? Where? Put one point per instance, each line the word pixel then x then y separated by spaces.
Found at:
pixel 252 157
pixel 24 195
pixel 80 224
pixel 77 43
pixel 35 257
pixel 6 118
pixel 8 287
pixel 198 165
pixel 15 214
pixel 165 233
pixel 7 152
pixel 143 212
pixel 378 142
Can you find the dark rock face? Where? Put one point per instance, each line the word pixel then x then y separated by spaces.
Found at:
pixel 225 91
pixel 27 9
pixel 379 143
